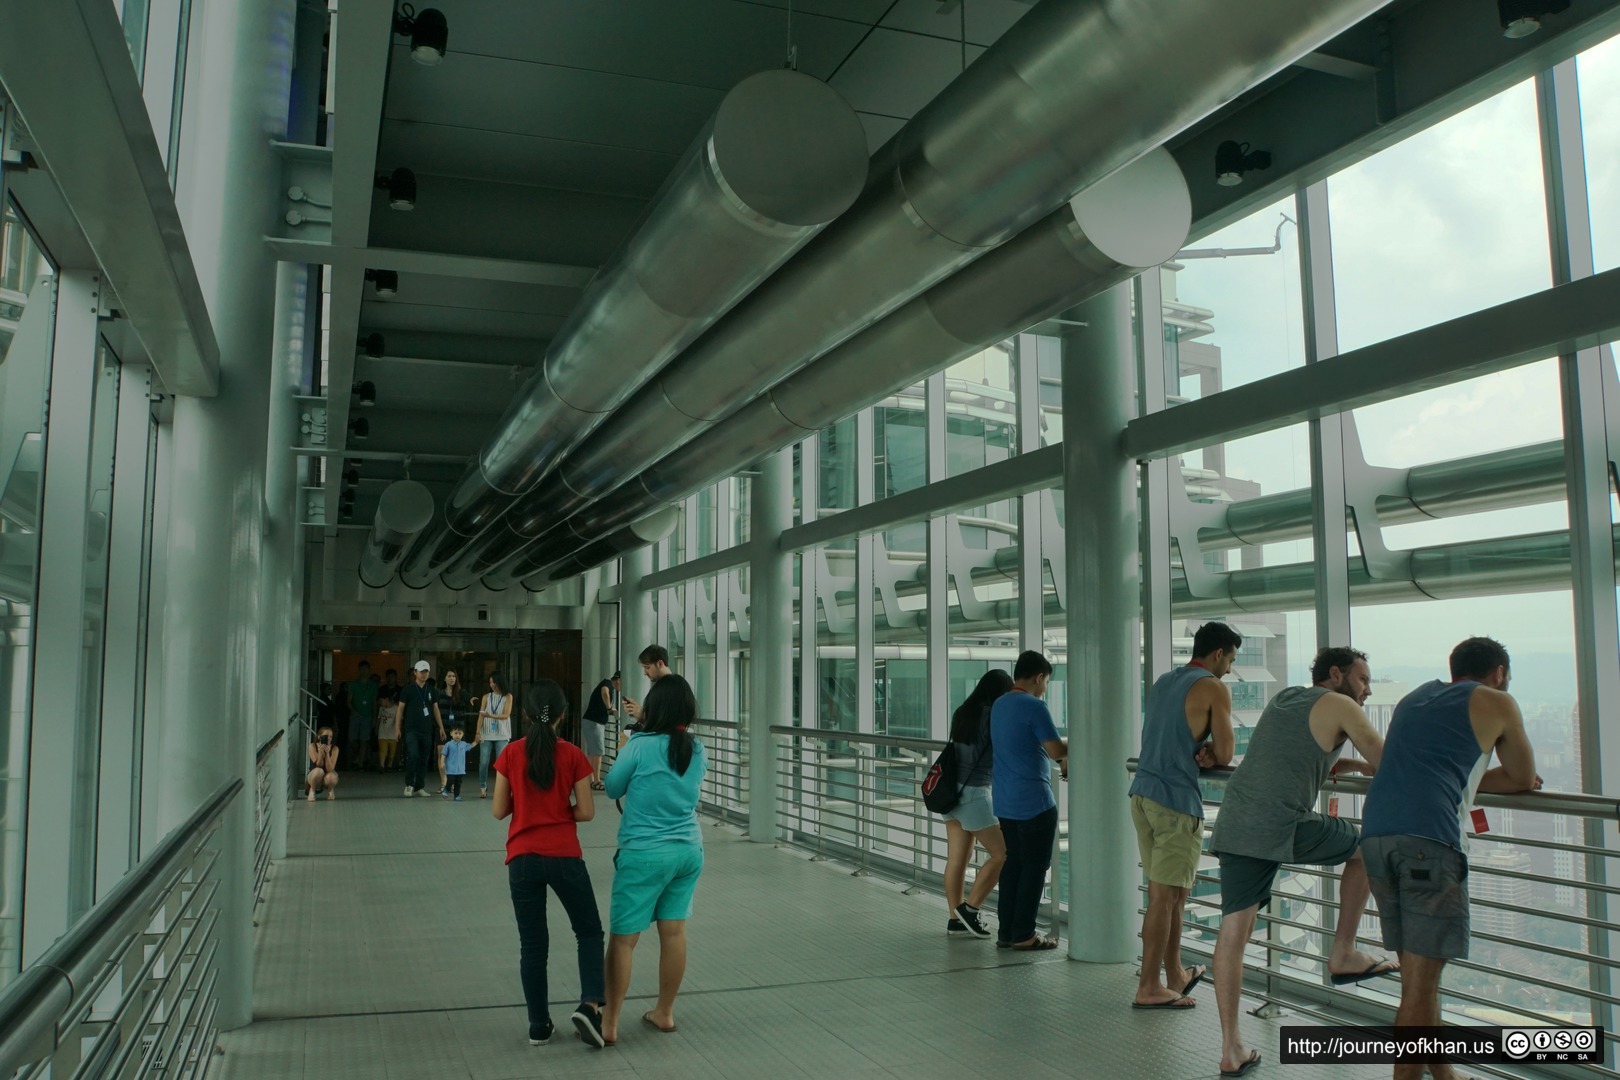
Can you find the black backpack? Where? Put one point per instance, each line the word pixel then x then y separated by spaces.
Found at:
pixel 941 790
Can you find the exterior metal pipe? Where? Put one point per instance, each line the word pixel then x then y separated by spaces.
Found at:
pixel 405 509
pixel 1107 234
pixel 781 157
pixel 1057 104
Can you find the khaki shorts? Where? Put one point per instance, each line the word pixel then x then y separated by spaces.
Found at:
pixel 1170 842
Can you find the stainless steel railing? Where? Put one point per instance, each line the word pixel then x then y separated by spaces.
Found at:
pixel 264 791
pixel 128 990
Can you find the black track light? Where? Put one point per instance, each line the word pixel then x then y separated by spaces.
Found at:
pixel 386 282
pixel 373 345
pixel 401 187
pixel 359 427
pixel 1521 18
pixel 1233 159
pixel 366 393
pixel 428 30
pixel 351 476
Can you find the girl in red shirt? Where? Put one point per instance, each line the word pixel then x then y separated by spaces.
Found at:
pixel 543 784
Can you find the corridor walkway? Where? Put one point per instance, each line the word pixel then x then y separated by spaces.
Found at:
pixel 386 950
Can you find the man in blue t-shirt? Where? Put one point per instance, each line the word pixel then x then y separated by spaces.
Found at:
pixel 1026 743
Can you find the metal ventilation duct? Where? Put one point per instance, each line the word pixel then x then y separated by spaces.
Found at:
pixel 405 509
pixel 1064 99
pixel 782 156
pixel 1137 218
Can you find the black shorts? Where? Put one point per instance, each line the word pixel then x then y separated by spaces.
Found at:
pixel 1246 881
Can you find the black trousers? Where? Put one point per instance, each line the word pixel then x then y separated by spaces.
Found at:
pixel 1023 876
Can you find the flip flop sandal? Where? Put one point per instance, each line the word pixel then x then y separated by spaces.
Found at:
pixel 646 1018
pixel 1176 1003
pixel 1375 969
pixel 1199 972
pixel 1243 1069
pixel 1038 943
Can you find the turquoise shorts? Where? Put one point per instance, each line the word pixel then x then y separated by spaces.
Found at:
pixel 653 883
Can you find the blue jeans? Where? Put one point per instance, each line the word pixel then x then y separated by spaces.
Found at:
pixel 528 876
pixel 488 751
pixel 1023 876
pixel 418 748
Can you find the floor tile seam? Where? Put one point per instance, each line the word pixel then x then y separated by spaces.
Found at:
pixel 713 991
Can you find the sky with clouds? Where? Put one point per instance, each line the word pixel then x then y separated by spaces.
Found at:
pixel 1445 223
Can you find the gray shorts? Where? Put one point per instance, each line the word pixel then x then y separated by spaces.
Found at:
pixel 590 737
pixel 973 812
pixel 1421 886
pixel 1246 881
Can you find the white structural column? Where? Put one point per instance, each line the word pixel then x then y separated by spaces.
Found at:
pixel 1101 553
pixel 770 621
pixel 56 886
pixel 282 589
pixel 213 700
pixel 636 620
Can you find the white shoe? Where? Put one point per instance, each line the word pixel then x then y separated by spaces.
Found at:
pixel 409 791
pixel 425 793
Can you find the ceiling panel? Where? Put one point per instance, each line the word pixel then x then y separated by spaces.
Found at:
pixel 504 157
pixel 428 430
pixel 879 129
pixel 386 315
pixel 481 293
pixel 590 107
pixel 404 383
pixel 708 43
pixel 462 348
pixel 986 20
pixel 896 74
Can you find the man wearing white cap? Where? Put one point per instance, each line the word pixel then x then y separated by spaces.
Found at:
pixel 418 714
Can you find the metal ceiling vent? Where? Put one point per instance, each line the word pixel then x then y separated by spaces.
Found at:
pixel 1137 218
pixel 1060 102
pixel 781 158
pixel 405 509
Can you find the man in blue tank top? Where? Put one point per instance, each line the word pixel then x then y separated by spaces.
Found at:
pixel 1439 744
pixel 1186 724
pixel 1026 743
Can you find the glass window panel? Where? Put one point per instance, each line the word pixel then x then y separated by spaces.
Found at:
pixel 26 336
pixel 1419 231
pixel 1232 309
pixel 1599 70
pixel 900 433
pixel 981 420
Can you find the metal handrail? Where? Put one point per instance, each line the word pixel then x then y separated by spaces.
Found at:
pixel 928 746
pixel 33 1006
pixel 1571 803
pixel 270 743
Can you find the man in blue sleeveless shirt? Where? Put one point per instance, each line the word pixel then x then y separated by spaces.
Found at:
pixel 1026 743
pixel 1186 724
pixel 1439 744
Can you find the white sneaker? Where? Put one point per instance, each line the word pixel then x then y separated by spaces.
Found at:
pixel 409 791
pixel 425 793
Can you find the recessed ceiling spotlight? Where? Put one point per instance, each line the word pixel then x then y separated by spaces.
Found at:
pixel 366 393
pixel 428 30
pixel 1521 18
pixel 373 345
pixel 386 282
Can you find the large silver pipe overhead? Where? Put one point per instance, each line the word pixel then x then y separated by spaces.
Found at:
pixel 1137 218
pixel 405 509
pixel 1061 101
pixel 781 157
pixel 649 530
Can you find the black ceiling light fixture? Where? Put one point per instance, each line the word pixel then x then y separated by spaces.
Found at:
pixel 351 476
pixel 1233 159
pixel 372 345
pixel 428 31
pixel 359 427
pixel 401 187
pixel 366 393
pixel 385 281
pixel 1521 18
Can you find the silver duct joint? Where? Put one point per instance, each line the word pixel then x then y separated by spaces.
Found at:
pixel 405 509
pixel 781 157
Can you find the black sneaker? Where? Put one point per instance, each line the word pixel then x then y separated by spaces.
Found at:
pixel 955 928
pixel 539 1036
pixel 969 918
pixel 588 1022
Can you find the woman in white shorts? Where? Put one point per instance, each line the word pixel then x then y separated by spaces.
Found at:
pixel 972 820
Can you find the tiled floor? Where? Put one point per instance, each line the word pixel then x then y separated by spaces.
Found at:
pixel 387 949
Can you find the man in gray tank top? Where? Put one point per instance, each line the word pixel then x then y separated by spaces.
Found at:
pixel 1186 726
pixel 1268 817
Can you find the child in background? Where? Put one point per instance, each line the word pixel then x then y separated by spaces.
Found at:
pixel 453 760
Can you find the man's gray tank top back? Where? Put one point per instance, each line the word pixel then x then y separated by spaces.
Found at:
pixel 1275 785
